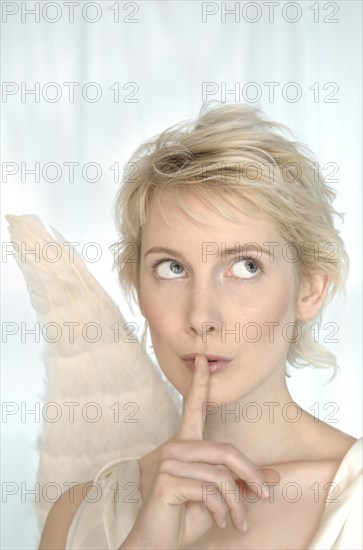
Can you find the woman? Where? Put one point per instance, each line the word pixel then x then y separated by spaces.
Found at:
pixel 229 246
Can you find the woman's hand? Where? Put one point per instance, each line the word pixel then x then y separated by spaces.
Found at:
pixel 195 483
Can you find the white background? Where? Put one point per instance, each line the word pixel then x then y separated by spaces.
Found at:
pixel 169 52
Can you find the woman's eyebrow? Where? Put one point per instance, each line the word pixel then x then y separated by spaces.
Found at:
pixel 245 248
pixel 156 249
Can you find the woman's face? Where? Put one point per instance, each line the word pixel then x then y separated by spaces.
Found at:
pixel 248 296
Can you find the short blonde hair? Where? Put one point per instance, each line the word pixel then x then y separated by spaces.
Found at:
pixel 232 155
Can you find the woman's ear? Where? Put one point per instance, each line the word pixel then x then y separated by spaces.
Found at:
pixel 311 295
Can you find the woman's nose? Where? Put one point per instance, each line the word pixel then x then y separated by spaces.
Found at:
pixel 203 311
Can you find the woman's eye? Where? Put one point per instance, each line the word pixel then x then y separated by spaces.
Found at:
pixel 246 268
pixel 166 268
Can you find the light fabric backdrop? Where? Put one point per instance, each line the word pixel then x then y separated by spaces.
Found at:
pixel 163 55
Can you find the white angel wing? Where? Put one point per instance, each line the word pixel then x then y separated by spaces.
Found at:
pixel 109 397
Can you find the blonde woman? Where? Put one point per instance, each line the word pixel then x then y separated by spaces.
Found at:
pixel 228 245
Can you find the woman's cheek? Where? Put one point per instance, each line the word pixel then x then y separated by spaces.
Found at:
pixel 267 323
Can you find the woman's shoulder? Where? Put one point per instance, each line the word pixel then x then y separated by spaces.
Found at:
pixel 60 517
pixel 348 455
pixel 75 519
pixel 340 525
pixel 323 441
pixel 337 443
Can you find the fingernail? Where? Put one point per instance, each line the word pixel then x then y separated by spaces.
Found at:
pixel 245 525
pixel 223 523
pixel 265 491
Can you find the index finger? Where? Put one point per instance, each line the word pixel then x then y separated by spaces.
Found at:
pixel 192 420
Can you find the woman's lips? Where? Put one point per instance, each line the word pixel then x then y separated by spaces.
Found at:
pixel 214 366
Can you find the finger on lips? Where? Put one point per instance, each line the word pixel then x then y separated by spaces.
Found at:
pixel 192 424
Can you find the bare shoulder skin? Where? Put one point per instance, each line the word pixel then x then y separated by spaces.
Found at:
pixel 60 517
